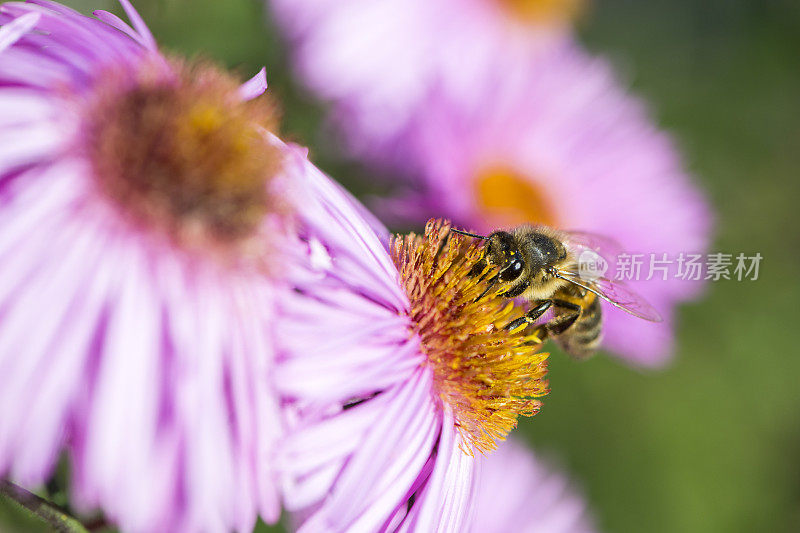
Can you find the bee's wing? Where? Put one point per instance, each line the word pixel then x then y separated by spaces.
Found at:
pixel 614 292
pixel 606 247
pixel 599 243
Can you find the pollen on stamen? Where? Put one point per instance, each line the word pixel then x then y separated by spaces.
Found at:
pixel 176 149
pixel 488 376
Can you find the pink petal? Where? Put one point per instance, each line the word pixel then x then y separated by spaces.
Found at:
pixel 255 86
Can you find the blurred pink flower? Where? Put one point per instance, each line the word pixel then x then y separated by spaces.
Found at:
pixel 568 149
pixel 143 239
pixel 376 60
pixel 407 377
pixel 517 492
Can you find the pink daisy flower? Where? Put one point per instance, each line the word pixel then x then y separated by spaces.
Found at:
pixel 409 375
pixel 564 148
pixel 144 209
pixel 377 59
pixel 517 492
pixel 493 119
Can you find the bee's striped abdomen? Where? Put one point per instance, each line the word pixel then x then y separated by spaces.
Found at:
pixel 583 338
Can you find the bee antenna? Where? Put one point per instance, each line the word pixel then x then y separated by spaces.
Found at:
pixel 469 234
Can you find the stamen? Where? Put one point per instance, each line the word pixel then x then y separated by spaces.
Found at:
pixel 176 148
pixel 545 11
pixel 488 376
pixel 510 199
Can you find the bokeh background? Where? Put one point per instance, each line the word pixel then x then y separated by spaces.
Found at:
pixel 712 442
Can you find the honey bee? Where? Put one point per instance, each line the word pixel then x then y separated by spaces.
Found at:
pixel 541 265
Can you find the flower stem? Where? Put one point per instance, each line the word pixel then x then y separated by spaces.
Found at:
pixel 43 509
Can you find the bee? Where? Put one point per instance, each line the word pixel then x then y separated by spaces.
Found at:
pixel 541 265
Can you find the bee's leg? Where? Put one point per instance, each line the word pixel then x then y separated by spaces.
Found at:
pixel 531 316
pixel 517 289
pixel 478 268
pixel 562 322
pixel 489 287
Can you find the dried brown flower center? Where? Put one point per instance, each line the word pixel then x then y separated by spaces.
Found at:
pixel 545 11
pixel 177 148
pixel 487 375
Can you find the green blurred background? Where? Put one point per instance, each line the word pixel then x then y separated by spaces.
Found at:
pixel 712 442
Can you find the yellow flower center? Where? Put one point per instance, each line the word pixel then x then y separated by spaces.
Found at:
pixel 557 12
pixel 509 199
pixel 177 148
pixel 489 376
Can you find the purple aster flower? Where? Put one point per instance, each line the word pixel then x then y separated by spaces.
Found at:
pixel 145 210
pixel 408 376
pixel 377 60
pixel 517 492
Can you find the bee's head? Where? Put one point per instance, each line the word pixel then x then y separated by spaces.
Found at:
pixel 503 251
